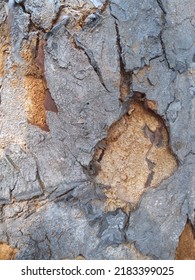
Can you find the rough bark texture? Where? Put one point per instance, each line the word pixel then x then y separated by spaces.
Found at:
pixel 97 131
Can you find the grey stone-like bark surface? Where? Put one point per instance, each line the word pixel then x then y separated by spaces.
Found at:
pixel 42 12
pixel 158 227
pixel 2 12
pixel 140 40
pixel 50 205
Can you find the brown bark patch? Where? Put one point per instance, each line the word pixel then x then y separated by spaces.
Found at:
pixel 136 156
pixel 35 88
pixel 7 252
pixel 186 246
pixel 4 43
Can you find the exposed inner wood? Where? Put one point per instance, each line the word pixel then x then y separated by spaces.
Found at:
pixel 7 252
pixel 136 156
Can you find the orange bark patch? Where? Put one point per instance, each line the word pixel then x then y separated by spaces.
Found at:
pixel 34 82
pixel 136 156
pixel 4 42
pixel 36 90
pixel 29 53
pixel 7 252
pixel 186 246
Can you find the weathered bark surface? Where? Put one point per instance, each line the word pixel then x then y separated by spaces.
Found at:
pixel 97 131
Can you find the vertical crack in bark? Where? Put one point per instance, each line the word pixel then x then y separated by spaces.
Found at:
pixel 126 77
pixel 164 50
pixel 11 163
pixel 151 174
pixel 91 59
pixel 41 184
pixel 161 6
pixel 126 83
pixel 48 245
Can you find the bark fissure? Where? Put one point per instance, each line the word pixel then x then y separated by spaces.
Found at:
pixel 164 13
pixel 91 59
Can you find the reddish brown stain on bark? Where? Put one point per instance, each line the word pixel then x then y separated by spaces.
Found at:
pixel 49 103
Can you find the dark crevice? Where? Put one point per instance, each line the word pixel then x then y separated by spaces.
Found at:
pixel 49 246
pixel 126 78
pixel 151 166
pixel 37 46
pixel 164 49
pixel 161 6
pixel 32 25
pixel 91 59
pixel 127 224
pixel 149 179
pixel 12 163
pixel 168 105
pixel 7 236
pixel 54 21
pixel 155 57
pixel 29 213
pixel 57 26
pixel 92 169
pixel 21 4
pixel 12 189
pixel 49 103
pixel 1 213
pixel 188 154
pixel 40 181
pixel 62 196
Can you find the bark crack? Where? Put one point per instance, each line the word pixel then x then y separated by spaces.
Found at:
pixel 164 13
pixel 41 184
pixel 91 59
pixel 126 82
pixel 126 77
pixel 159 2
